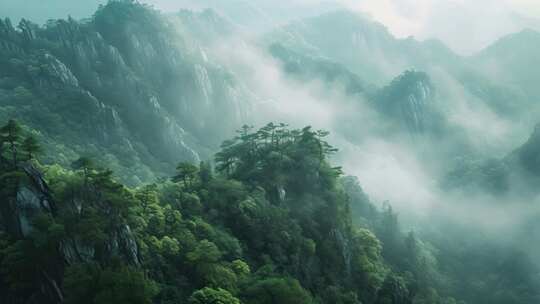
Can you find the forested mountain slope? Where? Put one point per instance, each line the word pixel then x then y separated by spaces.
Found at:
pixel 495 82
pixel 125 85
pixel 116 185
pixel 254 230
pixel 273 223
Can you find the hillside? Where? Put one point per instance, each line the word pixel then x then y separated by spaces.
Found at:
pixel 274 222
pixel 511 58
pixel 139 162
pixel 145 93
pixel 81 237
pixel 368 50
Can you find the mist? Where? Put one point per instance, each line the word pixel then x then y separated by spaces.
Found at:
pixel 389 169
pixel 445 20
pixel 432 105
pixel 403 171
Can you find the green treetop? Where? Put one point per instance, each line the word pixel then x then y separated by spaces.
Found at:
pixel 31 147
pixel 11 134
pixel 186 173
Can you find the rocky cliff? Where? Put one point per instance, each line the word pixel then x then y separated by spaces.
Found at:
pixel 408 100
pixel 29 211
pixel 145 89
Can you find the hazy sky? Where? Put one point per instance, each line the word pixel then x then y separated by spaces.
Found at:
pixel 465 25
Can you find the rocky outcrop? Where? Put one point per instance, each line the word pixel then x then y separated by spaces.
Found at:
pixel 408 100
pixel 32 197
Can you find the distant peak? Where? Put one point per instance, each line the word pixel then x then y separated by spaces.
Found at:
pixel 348 19
pixel 515 39
pixel 527 33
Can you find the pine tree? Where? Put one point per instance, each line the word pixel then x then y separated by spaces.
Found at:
pixel 186 173
pixel 83 163
pixel 11 134
pixel 31 146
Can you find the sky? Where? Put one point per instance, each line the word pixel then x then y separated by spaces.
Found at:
pixel 466 26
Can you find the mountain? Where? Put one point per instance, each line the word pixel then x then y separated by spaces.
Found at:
pixel 118 187
pixel 517 172
pixel 260 16
pixel 369 50
pixel 78 236
pixel 154 85
pixel 362 42
pixel 409 104
pixel 510 60
pixel 527 157
pixel 131 76
pixel 408 99
pixel 366 47
pixel 462 85
pixel 306 68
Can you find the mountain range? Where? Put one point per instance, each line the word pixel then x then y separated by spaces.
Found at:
pixel 153 96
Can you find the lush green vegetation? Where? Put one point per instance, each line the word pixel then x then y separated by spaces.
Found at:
pixel 104 199
pixel 123 86
pixel 273 223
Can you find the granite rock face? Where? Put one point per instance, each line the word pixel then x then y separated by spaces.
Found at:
pixel 409 101
pixel 137 77
pixel 32 197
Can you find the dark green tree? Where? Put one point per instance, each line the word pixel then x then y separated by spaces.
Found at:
pixel 85 164
pixel 31 146
pixel 276 290
pixel 186 173
pixel 205 173
pixel 89 283
pixel 213 296
pixel 11 133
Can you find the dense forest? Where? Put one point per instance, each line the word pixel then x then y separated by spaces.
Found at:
pixel 138 164
pixel 273 222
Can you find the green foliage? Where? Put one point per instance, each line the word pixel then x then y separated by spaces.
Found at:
pixel 186 173
pixel 11 135
pixel 212 296
pixel 275 155
pixel 276 290
pixel 271 225
pixel 31 146
pixel 91 284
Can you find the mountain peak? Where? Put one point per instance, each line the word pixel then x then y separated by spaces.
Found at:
pixel 407 98
pixel 522 40
pixel 352 19
pixel 520 36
